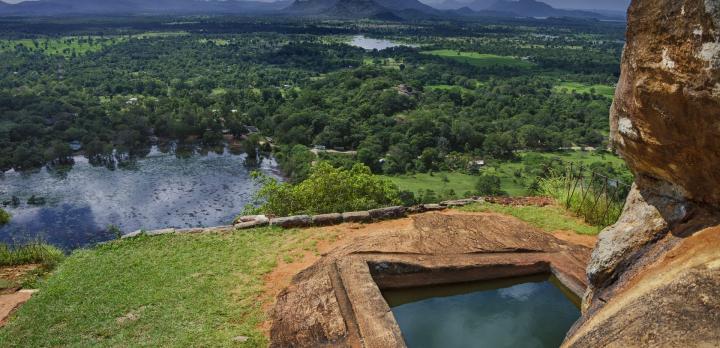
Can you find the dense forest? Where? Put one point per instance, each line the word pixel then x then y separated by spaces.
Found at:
pixel 461 92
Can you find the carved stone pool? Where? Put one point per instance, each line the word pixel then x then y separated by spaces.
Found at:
pixel 534 311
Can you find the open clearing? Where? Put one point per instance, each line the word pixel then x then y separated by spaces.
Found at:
pixel 569 87
pixel 481 59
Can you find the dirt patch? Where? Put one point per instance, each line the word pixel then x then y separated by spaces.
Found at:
pixel 10 302
pixel 342 234
pixel 11 277
pixel 574 238
pixel 518 201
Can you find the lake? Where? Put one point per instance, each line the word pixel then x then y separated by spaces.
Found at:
pixel 515 312
pixel 375 44
pixel 161 190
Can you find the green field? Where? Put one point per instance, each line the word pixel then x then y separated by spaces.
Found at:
pixel 481 59
pixel 193 290
pixel 417 183
pixel 512 184
pixel 569 87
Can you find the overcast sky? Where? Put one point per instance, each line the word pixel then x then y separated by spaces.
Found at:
pixel 620 5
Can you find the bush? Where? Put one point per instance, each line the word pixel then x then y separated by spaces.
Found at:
pixel 4 217
pixel 488 185
pixel 326 190
pixel 45 254
pixel 589 202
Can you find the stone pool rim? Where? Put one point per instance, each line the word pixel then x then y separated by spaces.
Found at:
pixel 366 276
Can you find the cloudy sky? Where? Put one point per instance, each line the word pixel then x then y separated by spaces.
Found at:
pixel 620 5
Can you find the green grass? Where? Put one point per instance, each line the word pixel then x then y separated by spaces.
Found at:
pixel 596 206
pixel 517 186
pixel 39 253
pixel 548 218
pixel 481 59
pixel 417 183
pixel 198 290
pixel 569 87
pixel 505 170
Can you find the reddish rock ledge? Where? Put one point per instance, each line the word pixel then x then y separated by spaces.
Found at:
pixel 337 300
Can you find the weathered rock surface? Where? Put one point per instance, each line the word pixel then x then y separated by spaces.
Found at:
pixel 655 275
pixel 388 213
pixel 665 117
pixel 327 219
pixel 292 221
pixel 337 300
pixel 356 216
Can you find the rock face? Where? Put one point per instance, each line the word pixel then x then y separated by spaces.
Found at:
pixel 655 275
pixel 666 117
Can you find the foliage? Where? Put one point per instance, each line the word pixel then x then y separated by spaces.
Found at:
pixel 197 290
pixel 488 185
pixel 548 218
pixel 111 92
pixel 39 253
pixel 326 190
pixel 4 217
pixel 588 200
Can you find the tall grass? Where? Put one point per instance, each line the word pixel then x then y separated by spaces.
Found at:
pixel 36 252
pixel 595 203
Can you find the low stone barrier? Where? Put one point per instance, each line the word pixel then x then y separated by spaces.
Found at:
pixel 298 221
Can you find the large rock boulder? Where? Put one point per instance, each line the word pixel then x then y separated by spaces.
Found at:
pixel 655 275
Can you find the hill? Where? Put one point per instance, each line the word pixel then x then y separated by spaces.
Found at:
pixel 536 9
pixel 137 7
pixel 384 9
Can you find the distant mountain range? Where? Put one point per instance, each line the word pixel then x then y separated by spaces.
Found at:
pixel 378 9
pixel 138 7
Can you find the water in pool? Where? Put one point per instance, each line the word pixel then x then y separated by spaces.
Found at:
pixel 517 312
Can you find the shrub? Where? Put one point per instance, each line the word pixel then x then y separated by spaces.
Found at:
pixel 326 190
pixel 4 217
pixel 488 185
pixel 35 252
pixel 596 206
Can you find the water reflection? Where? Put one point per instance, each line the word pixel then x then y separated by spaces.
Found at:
pixel 516 312
pixel 375 44
pixel 180 187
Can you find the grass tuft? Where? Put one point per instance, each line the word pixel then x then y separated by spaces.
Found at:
pixel 592 204
pixel 33 253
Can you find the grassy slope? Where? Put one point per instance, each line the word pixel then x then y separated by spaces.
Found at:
pixel 548 218
pixel 481 59
pixel 181 290
pixel 199 290
pixel 511 184
pixel 420 182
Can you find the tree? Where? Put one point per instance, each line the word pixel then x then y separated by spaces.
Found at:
pixel 488 185
pixel 326 190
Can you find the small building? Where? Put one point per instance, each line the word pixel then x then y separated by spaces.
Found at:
pixel 252 129
pixel 132 101
pixel 319 147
